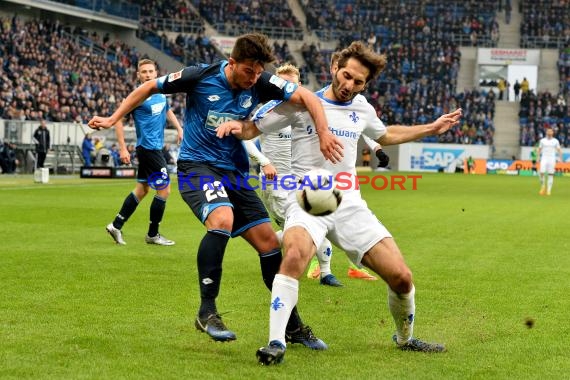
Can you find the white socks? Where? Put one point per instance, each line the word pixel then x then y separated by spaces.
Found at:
pixel 284 297
pixel 403 309
pixel 549 183
pixel 324 254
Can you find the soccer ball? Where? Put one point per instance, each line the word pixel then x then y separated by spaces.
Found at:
pixel 317 193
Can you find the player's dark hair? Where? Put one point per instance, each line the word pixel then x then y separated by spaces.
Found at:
pixel 375 63
pixel 254 46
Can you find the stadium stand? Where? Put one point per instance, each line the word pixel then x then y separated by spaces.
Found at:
pixel 119 8
pixel 545 24
pixel 543 110
pixel 272 17
pixel 421 38
pixel 420 79
pixel 463 22
pixel 61 73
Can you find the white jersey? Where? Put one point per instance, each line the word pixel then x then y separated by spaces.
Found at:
pixel 347 121
pixel 549 148
pixel 275 146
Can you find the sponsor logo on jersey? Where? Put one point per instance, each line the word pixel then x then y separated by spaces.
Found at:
pixel 279 82
pixel 157 108
pixel 213 98
pixel 282 135
pixel 245 101
pixel 214 119
pixel 344 133
pixel 174 76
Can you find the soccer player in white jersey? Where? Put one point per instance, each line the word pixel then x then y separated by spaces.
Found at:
pixel 274 158
pixel 275 162
pixel 352 227
pixel 548 151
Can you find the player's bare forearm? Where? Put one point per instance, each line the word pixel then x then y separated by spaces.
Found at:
pixel 120 133
pixel 241 129
pixel 130 103
pixel 398 134
pixel 171 117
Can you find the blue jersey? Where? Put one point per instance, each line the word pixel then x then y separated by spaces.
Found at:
pixel 211 101
pixel 150 121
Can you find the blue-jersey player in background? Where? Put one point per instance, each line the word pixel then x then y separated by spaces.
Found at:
pixel 229 90
pixel 149 115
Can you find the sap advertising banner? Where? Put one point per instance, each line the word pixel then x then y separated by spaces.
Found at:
pixel 437 157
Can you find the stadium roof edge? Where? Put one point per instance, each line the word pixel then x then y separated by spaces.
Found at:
pixel 71 10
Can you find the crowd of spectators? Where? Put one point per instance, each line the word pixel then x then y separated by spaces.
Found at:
pixel 545 23
pixel 564 70
pixel 464 22
pixel 47 74
pixel 542 110
pixel 418 84
pixel 235 17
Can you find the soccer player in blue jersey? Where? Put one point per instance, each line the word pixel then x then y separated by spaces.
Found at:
pixel 150 119
pixel 211 169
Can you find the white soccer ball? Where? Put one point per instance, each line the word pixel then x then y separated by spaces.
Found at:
pixel 317 193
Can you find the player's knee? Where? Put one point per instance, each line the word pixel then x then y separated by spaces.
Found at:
pixel 221 218
pixel 295 261
pixel 267 241
pixel 402 282
pixel 164 193
pixel 141 191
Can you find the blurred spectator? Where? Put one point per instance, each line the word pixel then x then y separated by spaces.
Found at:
pixel 8 161
pixel 87 149
pixel 115 155
pixel 517 90
pixel 42 140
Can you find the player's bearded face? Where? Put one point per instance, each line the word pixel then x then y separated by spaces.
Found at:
pixel 245 74
pixel 349 81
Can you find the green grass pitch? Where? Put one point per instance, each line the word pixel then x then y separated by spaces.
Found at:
pixel 488 253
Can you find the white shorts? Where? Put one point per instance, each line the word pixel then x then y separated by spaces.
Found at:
pixel 547 165
pixel 352 227
pixel 275 200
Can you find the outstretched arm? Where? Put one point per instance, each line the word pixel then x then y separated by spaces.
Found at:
pixel 398 134
pixel 130 103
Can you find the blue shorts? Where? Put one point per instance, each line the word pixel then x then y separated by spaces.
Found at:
pixel 204 188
